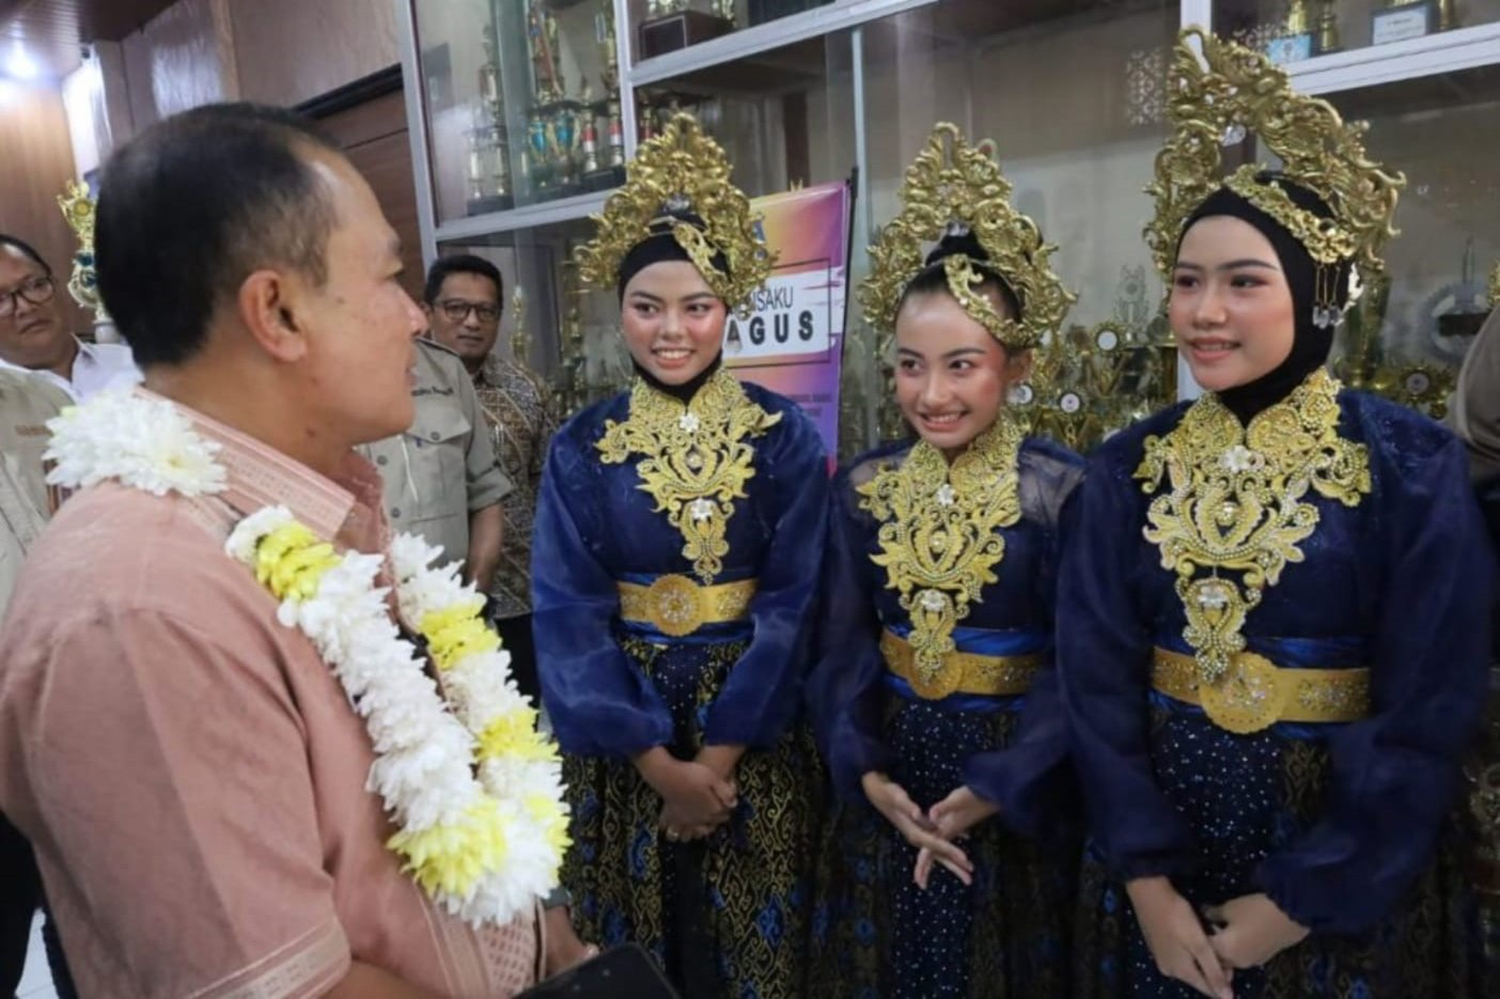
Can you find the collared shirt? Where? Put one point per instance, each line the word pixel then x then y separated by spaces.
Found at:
pixel 26 404
pixel 514 405
pixel 189 771
pixel 443 468
pixel 96 366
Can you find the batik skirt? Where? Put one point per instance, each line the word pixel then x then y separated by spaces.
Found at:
pixel 1246 797
pixel 879 936
pixel 725 916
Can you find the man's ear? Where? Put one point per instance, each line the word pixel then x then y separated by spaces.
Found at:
pixel 268 304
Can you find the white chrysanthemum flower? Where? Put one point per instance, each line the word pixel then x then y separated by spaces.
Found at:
pixel 411 554
pixel 143 443
pixel 433 589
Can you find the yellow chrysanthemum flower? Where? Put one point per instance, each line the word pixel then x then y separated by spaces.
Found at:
pixel 455 632
pixel 291 561
pixel 514 735
pixel 453 858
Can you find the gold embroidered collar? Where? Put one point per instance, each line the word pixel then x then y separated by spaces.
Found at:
pixel 939 531
pixel 1235 503
pixel 695 459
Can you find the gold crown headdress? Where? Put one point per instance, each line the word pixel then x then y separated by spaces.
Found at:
pixel 1240 90
pixel 953 186
pixel 682 170
pixel 78 208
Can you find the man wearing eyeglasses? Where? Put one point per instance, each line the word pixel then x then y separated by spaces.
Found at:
pixel 441 479
pixel 462 300
pixel 33 337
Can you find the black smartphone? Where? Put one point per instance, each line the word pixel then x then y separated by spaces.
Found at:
pixel 625 972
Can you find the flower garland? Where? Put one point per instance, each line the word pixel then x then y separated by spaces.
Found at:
pixel 473 788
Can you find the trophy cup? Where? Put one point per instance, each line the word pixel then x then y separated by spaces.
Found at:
pixel 488 175
pixel 539 164
pixel 489 75
pixel 487 168
pixel 562 146
pixel 78 208
pixel 1328 29
pixel 546 53
pixel 604 169
pixel 616 138
pixel 590 147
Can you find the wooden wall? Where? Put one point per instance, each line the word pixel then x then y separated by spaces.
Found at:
pixel 36 164
pixel 375 138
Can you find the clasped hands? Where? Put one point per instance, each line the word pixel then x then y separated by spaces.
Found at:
pixel 1244 932
pixel 698 795
pixel 936 832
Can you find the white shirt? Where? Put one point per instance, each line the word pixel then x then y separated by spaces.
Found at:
pixel 97 366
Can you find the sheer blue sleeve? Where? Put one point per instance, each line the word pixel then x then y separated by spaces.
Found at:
pixel 1395 775
pixel 598 701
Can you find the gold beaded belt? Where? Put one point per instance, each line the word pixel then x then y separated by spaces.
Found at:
pixel 962 672
pixel 677 606
pixel 1256 693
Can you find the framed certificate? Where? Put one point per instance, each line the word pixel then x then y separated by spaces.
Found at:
pixel 1396 24
pixel 1290 48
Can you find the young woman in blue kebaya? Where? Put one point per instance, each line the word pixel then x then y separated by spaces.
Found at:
pixel 675 562
pixel 1272 611
pixel 933 695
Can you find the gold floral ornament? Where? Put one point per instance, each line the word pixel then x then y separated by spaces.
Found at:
pixel 1236 503
pixel 953 186
pixel 1232 91
pixel 78 208
pixel 695 459
pixel 682 170
pixel 939 533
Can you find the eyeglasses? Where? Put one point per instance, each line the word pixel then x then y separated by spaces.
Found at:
pixel 36 291
pixel 457 310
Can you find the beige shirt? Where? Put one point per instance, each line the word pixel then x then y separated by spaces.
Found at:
pixel 191 774
pixel 26 404
pixel 444 467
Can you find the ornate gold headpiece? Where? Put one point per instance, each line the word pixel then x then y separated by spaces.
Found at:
pixel 953 185
pixel 1240 90
pixel 681 170
pixel 78 208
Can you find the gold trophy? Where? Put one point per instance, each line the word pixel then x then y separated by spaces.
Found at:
pixel 78 208
pixel 1328 29
pixel 546 53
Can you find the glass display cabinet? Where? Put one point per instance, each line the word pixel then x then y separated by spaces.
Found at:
pixel 524 111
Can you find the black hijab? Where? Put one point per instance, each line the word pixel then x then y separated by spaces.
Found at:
pixel 1311 344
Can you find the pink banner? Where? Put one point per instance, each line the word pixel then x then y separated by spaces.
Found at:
pixel 793 341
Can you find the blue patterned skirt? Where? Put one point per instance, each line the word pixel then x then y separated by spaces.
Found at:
pixel 878 936
pixel 725 916
pixel 1245 797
